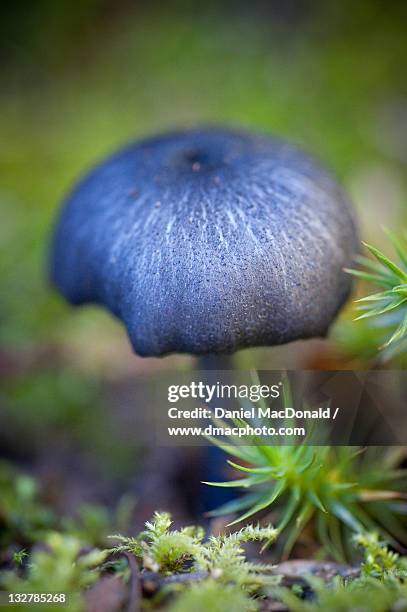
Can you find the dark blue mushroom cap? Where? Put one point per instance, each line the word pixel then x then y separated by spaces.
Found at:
pixel 207 241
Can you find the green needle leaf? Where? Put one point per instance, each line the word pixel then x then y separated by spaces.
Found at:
pixel 236 505
pixel 263 503
pixel 400 332
pixel 383 281
pixel 375 312
pixel 240 482
pixel 376 297
pixel 302 519
pixel 344 515
pixel 398 247
pixel 387 262
pixel 313 497
pixel 260 470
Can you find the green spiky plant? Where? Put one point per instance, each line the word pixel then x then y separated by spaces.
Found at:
pixel 340 489
pixel 387 309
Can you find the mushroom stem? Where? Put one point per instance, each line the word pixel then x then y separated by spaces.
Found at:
pixel 216 362
pixel 213 459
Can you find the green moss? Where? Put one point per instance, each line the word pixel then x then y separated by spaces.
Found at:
pixel 60 567
pixel 167 551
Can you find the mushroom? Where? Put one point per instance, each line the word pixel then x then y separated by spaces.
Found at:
pixel 206 241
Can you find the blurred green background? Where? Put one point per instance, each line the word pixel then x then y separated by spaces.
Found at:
pixel 81 78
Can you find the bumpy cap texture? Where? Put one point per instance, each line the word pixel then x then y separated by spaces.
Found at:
pixel 207 241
